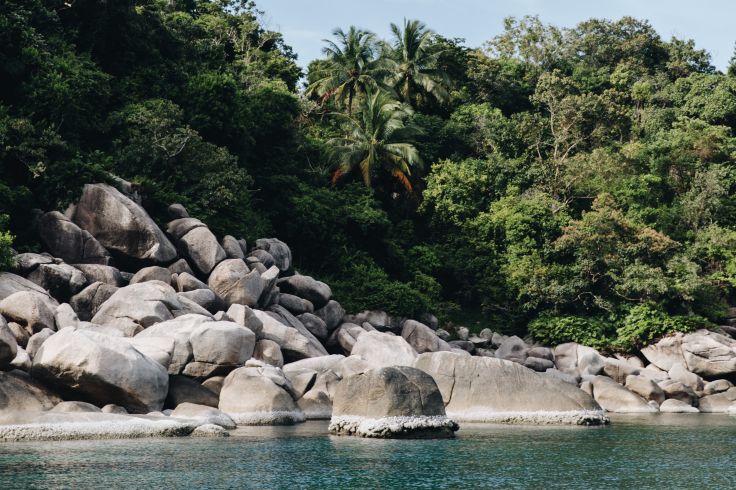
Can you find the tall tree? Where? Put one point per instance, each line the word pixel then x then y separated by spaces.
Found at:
pixel 417 71
pixel 377 138
pixel 352 67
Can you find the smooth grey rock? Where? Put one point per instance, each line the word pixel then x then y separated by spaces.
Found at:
pixel 19 332
pixel 295 304
pixel 513 348
pixel 294 345
pixel 406 399
pixel 232 248
pixel 86 303
pixel 278 250
pixel 186 390
pixel 316 292
pixel 121 226
pixel 382 350
pixel 443 334
pixel 315 325
pixel 61 280
pixel 177 211
pixel 152 273
pixel 542 352
pixel 262 257
pixel 269 352
pixel 344 337
pixel 64 316
pixel 235 283
pixel 538 364
pixel 332 314
pixel 717 386
pixel 69 242
pixel 187 282
pixel 101 369
pixel 8 345
pixel 578 360
pixel 102 273
pixel 202 249
pixel 37 340
pixel 145 303
pixel 704 353
pixel 179 227
pixel 11 283
pixel 29 309
pixel 679 391
pixel 488 389
pixel 204 413
pixel 463 333
pixel 112 408
pixel 464 345
pixel 19 392
pixel 223 343
pixel 719 403
pixel 615 398
pixel 645 388
pixel 678 372
pixel 676 406
pixel 422 338
pixel 243 315
pixel 619 370
pixel 75 407
pixel 259 396
pixel 180 266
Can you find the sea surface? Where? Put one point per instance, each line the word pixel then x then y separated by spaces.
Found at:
pixel 693 451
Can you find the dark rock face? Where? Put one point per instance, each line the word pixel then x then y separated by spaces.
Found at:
pixel 280 252
pixel 332 314
pixel 86 303
pixel 61 280
pixel 122 226
pixel 306 287
pixel 67 241
pixel 185 390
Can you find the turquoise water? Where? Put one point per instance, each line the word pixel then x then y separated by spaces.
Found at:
pixel 654 451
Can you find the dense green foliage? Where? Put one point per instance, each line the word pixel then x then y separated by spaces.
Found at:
pixel 576 182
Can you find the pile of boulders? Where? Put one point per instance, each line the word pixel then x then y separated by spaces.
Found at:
pixel 122 324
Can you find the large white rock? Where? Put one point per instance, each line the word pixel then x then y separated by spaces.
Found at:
pixel 578 360
pixel 488 389
pixel 145 303
pixel 223 343
pixel 8 345
pixel 235 283
pixel 18 392
pixel 398 401
pixel 294 345
pixel 121 226
pixel 615 398
pixel 422 338
pixel 29 309
pixel 383 350
pixel 704 353
pixel 259 396
pixel 101 369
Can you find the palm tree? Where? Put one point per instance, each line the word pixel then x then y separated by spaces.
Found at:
pixel 416 61
pixel 351 67
pixel 376 138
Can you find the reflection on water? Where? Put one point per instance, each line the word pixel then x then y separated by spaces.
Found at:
pixel 648 451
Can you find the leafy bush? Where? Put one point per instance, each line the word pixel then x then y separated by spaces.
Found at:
pixel 646 323
pixel 554 330
pixel 6 242
pixel 367 286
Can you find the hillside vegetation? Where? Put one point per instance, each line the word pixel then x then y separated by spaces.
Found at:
pixel 577 184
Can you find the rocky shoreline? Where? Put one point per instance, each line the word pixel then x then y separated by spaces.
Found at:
pixel 121 329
